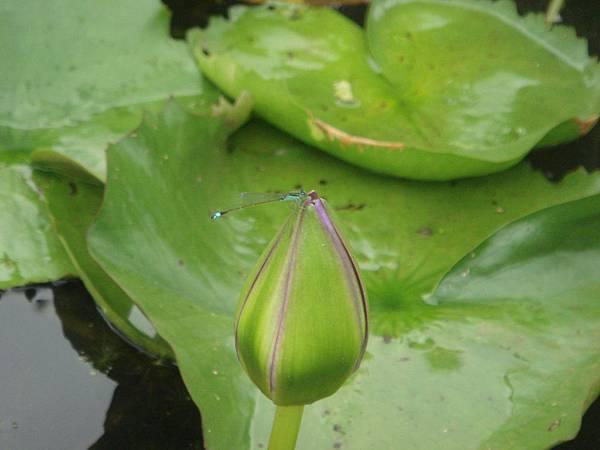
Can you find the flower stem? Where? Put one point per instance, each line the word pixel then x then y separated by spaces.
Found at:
pixel 285 427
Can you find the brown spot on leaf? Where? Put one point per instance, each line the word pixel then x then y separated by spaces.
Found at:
pixel 296 14
pixel 426 231
pixel 585 125
pixel 335 134
pixel 72 188
pixel 351 207
pixel 554 425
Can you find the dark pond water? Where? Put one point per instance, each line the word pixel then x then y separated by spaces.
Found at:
pixel 68 382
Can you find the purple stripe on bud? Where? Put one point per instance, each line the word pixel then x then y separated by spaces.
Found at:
pixel 346 257
pixel 286 298
pixel 254 281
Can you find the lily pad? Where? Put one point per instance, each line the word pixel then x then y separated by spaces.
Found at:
pixel 86 72
pixel 73 207
pixel 154 237
pixel 30 252
pixel 434 90
pixel 532 291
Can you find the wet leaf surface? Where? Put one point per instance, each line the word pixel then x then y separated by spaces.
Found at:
pixel 530 296
pixel 81 76
pixel 428 376
pixel 433 90
pixel 84 74
pixel 30 252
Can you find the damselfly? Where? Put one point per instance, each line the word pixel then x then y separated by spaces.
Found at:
pixel 251 199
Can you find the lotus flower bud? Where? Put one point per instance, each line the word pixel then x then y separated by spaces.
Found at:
pixel 301 325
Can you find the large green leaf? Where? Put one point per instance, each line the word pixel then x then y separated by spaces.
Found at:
pixel 82 73
pixel 29 250
pixel 73 207
pixel 154 237
pixel 530 296
pixel 436 90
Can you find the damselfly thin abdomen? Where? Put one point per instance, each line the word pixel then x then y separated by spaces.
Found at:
pixel 252 199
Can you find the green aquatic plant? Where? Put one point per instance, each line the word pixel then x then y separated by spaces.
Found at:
pixel 301 323
pixel 429 90
pixel 483 292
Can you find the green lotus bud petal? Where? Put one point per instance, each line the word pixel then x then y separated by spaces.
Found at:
pixel 301 325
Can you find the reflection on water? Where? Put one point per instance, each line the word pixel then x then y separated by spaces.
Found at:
pixel 90 390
